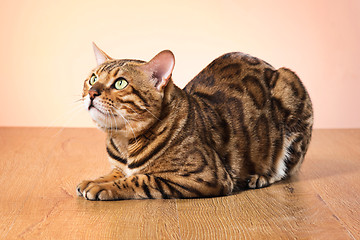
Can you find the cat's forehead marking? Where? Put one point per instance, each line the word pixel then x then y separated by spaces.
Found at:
pixel 112 65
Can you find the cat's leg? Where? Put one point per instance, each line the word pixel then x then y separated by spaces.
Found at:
pixel 274 172
pixel 296 150
pixel 289 162
pixel 112 176
pixel 153 187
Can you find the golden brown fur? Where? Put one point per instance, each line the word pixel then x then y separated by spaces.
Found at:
pixel 238 124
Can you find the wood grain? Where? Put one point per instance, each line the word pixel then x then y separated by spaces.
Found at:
pixel 40 168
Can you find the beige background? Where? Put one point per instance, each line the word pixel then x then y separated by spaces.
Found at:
pixel 46 49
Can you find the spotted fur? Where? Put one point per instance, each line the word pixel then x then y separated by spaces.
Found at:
pixel 238 124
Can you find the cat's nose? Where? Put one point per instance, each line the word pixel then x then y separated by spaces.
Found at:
pixel 93 93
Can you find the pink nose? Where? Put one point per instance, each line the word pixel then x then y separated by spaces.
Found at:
pixel 93 93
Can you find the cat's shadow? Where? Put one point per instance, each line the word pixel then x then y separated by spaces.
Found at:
pixel 316 170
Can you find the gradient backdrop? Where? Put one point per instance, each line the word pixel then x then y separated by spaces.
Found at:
pixel 46 50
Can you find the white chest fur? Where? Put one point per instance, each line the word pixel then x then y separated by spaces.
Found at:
pixel 124 168
pixel 129 172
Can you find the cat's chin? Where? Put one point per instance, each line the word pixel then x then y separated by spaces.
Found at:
pixel 105 121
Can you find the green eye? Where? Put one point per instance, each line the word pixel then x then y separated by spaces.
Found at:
pixel 93 79
pixel 120 84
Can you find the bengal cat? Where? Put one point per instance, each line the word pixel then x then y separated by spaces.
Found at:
pixel 238 124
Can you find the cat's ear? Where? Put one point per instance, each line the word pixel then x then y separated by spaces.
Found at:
pixel 160 68
pixel 100 55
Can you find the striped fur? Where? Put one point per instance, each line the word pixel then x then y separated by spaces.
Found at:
pixel 238 124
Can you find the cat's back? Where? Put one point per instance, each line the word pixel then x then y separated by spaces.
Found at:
pixel 232 73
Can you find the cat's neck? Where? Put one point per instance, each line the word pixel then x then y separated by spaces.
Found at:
pixel 173 98
pixel 129 142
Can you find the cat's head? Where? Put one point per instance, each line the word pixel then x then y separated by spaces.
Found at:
pixel 127 95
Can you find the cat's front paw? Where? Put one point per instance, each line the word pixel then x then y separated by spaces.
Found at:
pixel 82 186
pixel 98 191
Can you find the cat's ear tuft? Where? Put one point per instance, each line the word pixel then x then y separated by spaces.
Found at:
pixel 160 68
pixel 100 55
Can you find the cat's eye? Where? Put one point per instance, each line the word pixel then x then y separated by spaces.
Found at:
pixel 93 79
pixel 120 83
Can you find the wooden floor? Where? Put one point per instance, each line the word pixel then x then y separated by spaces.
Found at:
pixel 40 168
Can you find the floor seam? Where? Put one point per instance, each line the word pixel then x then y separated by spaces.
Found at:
pixel 338 219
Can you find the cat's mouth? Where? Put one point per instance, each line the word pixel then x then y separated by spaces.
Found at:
pixel 97 109
pixel 100 111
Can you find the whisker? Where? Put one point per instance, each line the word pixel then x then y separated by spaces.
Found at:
pixel 146 110
pixel 113 116
pixel 151 113
pixel 63 116
pixel 110 120
pixel 73 113
pixel 126 121
pixel 106 121
pixel 79 100
pixel 132 109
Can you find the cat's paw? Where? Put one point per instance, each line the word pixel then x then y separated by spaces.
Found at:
pixel 258 181
pixel 81 187
pixel 98 191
